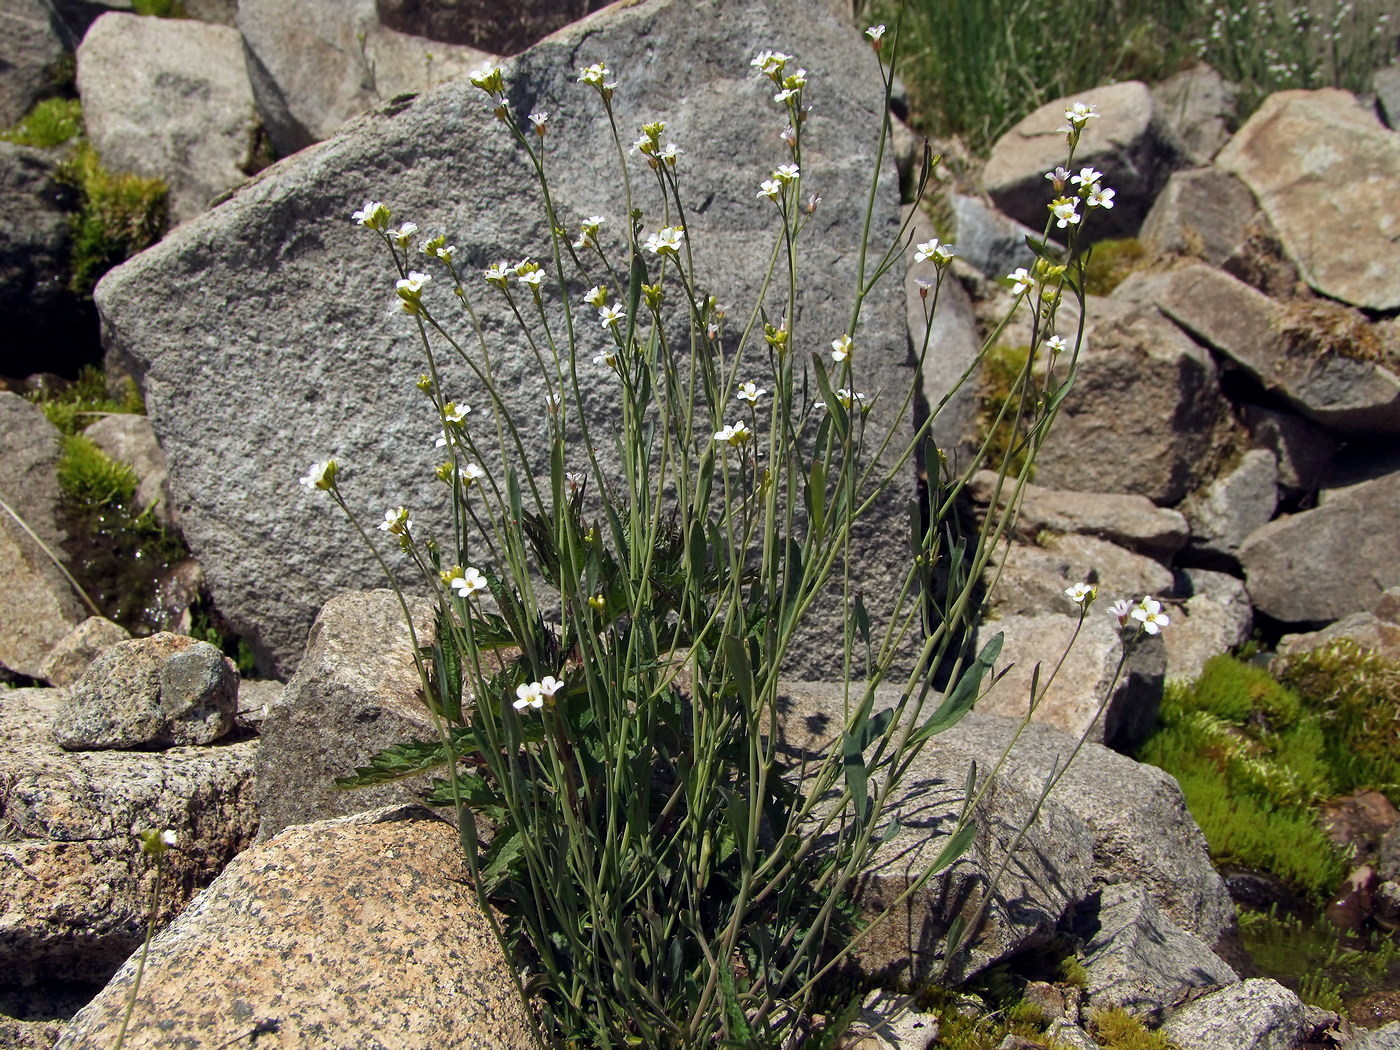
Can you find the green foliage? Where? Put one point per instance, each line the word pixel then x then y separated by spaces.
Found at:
pixel 118 216
pixel 74 407
pixel 204 621
pixel 1117 1029
pixel 1251 761
pixel 90 477
pixel 1004 419
pixel 159 8
pixel 1110 262
pixel 1307 956
pixel 51 122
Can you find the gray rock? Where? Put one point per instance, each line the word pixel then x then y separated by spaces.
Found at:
pixel 29 1035
pixel 44 319
pixel 356 692
pixel 1386 85
pixel 1388 858
pixel 988 240
pixel 1072 701
pixel 75 888
pixel 249 278
pixel 1071 1035
pixel 1164 446
pixel 1302 450
pixel 34 54
pixel 283 935
pixel 256 699
pixel 1349 533
pixel 40 607
pixel 476 23
pixel 1031 578
pixel 1302 144
pixel 1198 106
pixel 892 1020
pixel 1377 629
pixel 1387 1037
pixel 1230 508
pixel 1128 142
pixel 1203 213
pixel 165 690
pixel 1215 617
pixel 71 657
pixel 169 99
pixel 1139 960
pixel 130 439
pixel 1320 356
pixel 315 65
pixel 1134 522
pixel 1257 1014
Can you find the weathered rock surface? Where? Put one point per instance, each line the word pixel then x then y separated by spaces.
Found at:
pixel 69 660
pixel 988 240
pixel 1230 508
pixel 1197 105
pixel 75 888
pixel 1377 629
pixel 29 1035
pixel 130 439
pixel 39 606
pixel 1132 357
pixel 1302 450
pixel 1134 522
pixel 1128 142
pixel 1303 147
pixel 1386 85
pixel 165 690
pixel 1351 532
pixel 1071 701
pixel 250 279
pixel 1321 356
pixel 169 98
pixel 34 54
pixel 478 23
pixel 1257 1014
pixel 1034 576
pixel 1138 959
pixel 1214 617
pixel 356 692
pixel 332 934
pixel 1386 1037
pixel 314 65
pixel 1203 213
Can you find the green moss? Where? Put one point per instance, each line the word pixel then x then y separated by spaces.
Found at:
pixel 51 122
pixel 1004 379
pixel 1119 1030
pixel 77 405
pixel 118 216
pixel 159 8
pixel 1305 955
pixel 90 477
pixel 1110 262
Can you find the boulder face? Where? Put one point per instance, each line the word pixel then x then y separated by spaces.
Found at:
pixel 335 929
pixel 256 363
pixel 1324 170
pixel 34 54
pixel 169 99
pixel 480 23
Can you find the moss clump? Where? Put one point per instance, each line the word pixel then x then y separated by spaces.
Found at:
pixel 1119 1030
pixel 1110 262
pixel 51 122
pixel 118 216
pixel 78 404
pixel 159 8
pixel 1252 760
pixel 91 478
pixel 1004 383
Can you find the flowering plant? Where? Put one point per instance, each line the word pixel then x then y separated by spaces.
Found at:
pixel 605 668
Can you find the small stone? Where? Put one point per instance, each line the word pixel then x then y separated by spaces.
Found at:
pixel 1232 506
pixel 1256 1014
pixel 71 657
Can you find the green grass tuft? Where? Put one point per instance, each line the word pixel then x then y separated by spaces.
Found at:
pixel 51 122
pixel 79 404
pixel 1001 384
pixel 90 477
pixel 119 215
pixel 1117 1029
pixel 159 8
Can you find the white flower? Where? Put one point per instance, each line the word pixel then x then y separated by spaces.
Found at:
pixel 1024 282
pixel 470 474
pixel 789 136
pixel 670 153
pixel 321 475
pixel 549 685
pixel 410 290
pixel 750 392
pixel 940 253
pixel 848 398
pixel 1100 198
pixel 373 215
pixel 396 521
pixel 1122 609
pixel 539 119
pixel 574 479
pixel 596 74
pixel 1057 344
pixel 498 273
pixel 533 278
pixel 455 413
pixel 169 838
pixel 787 173
pixel 1080 114
pixel 770 188
pixel 607 357
pixel 785 94
pixel 528 695
pixel 1086 178
pixel 1149 612
pixel 841 348
pixel 1081 593
pixel 470 582
pixel 490 78
pixel 875 33
pixel 404 234
pixel 1065 210
pixel 735 434
pixel 667 242
pixel 1058 177
pixel 596 296
pixel 611 315
pixel 770 63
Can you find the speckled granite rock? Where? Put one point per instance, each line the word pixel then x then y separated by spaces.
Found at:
pixel 358 932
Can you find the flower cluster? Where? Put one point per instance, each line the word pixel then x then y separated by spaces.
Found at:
pixel 588 233
pixel 466 582
pixel 534 694
pixel 666 242
pixel 396 522
pixel 596 76
pixel 437 248
pixel 491 79
pixel 373 215
pixel 649 145
pixel 941 254
pixel 1076 117
pixel 410 291
pixel 1148 612
pixel 733 434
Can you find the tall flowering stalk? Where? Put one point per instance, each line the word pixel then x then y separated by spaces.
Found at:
pixel 604 677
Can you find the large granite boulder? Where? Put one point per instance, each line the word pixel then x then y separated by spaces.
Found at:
pixel 1324 170
pixel 256 364
pixel 1203 213
pixel 34 54
pixel 356 692
pixel 1228 509
pixel 69 660
pixel 1128 142
pixel 362 931
pixel 497 28
pixel 1335 559
pixel 39 607
pixel 75 888
pixel 170 99
pixel 1213 617
pixel 316 64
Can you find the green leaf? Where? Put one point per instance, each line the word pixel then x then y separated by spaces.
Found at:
pixel 954 848
pixel 739 1033
pixel 815 496
pixel 396 763
pixel 960 699
pixel 853 745
pixel 736 660
pixel 862 616
pixel 1042 250
pixel 505 851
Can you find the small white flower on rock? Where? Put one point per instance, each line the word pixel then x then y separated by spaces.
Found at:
pixel 750 392
pixel 841 348
pixel 1081 593
pixel 469 583
pixel 321 475
pixel 1149 613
